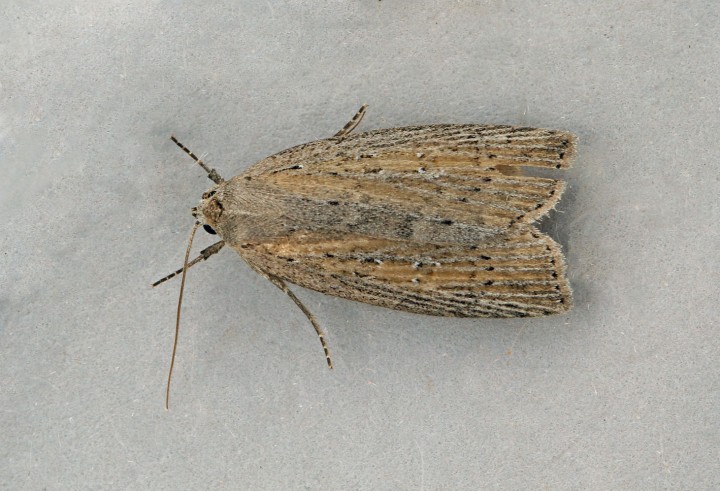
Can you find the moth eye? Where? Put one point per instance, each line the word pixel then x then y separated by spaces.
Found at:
pixel 209 229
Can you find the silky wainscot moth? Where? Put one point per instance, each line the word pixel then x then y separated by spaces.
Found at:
pixel 430 219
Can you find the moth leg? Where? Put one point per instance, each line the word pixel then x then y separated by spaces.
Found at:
pixel 204 254
pixel 352 124
pixel 283 286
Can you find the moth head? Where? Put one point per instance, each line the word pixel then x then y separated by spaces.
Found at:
pixel 210 210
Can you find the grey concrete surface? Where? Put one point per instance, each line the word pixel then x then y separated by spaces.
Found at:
pixel 620 393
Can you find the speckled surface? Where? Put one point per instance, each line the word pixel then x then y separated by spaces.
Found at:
pixel 621 393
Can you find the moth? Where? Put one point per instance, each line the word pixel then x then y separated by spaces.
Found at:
pixel 431 219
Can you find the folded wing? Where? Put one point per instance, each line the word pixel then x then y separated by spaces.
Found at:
pixel 508 276
pixel 441 183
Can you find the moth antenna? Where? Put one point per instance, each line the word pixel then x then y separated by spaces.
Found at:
pixel 281 284
pixel 204 254
pixel 352 124
pixel 212 173
pixel 177 319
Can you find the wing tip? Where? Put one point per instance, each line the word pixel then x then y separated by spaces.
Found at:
pixel 566 155
pixel 558 259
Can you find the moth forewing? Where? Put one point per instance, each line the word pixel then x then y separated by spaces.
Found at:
pixel 517 275
pixel 420 177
